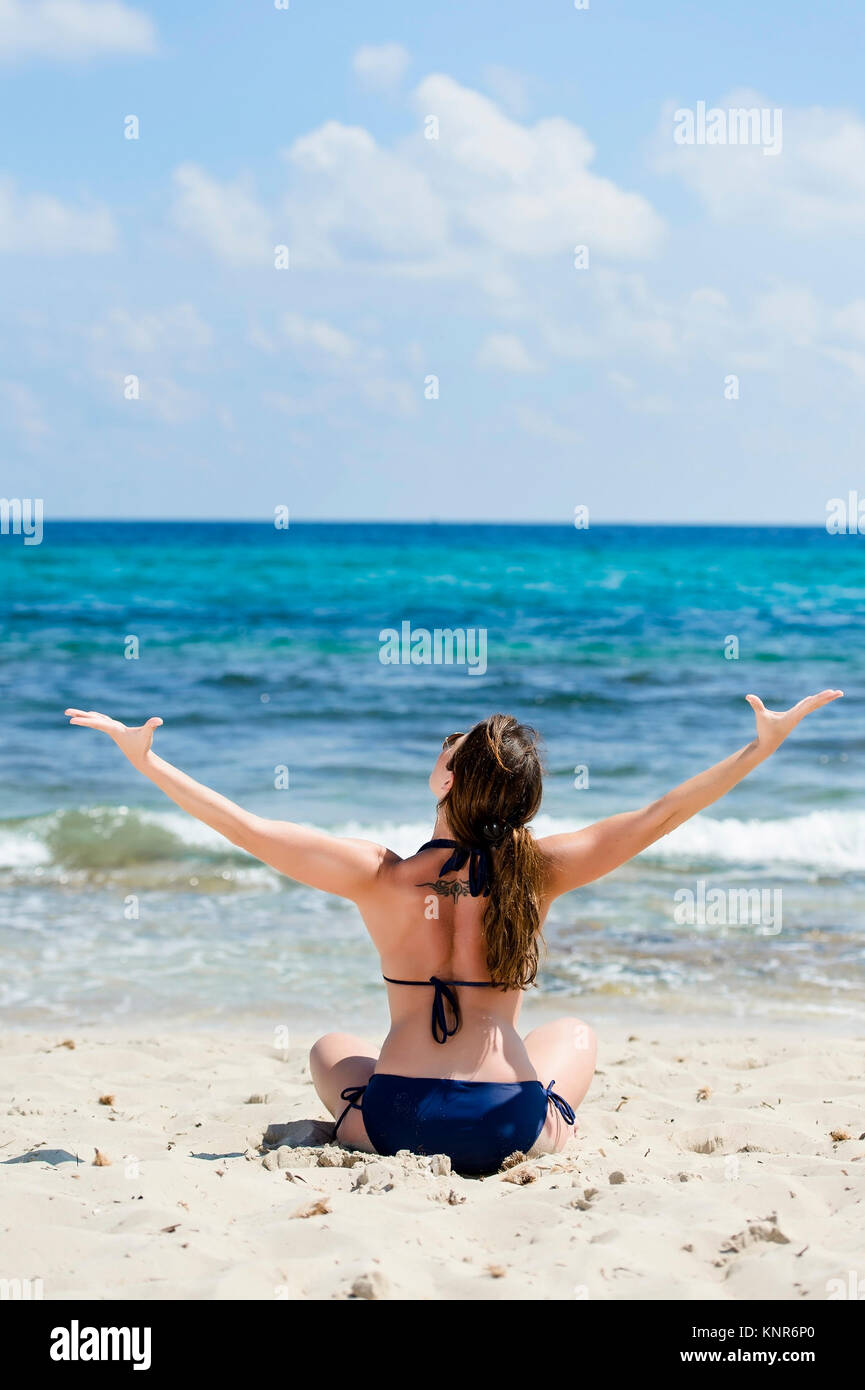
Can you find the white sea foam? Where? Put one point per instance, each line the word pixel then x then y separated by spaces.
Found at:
pixel 831 841
pixel 20 849
pixel 828 842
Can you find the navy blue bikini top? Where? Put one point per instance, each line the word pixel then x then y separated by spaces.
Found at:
pixel 444 996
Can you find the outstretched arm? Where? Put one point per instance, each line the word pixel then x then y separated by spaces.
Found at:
pixel 588 854
pixel 342 866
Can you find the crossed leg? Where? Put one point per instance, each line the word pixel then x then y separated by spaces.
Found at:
pixel 563 1051
pixel 336 1061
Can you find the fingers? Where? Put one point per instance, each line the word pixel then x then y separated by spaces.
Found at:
pixel 824 697
pixel 90 719
pixel 812 702
pixel 153 723
pixel 806 706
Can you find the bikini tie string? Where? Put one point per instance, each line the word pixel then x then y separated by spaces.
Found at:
pixel 354 1096
pixel 565 1110
pixel 480 868
pixel 443 995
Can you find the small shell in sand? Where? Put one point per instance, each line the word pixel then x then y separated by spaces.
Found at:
pixel 320 1207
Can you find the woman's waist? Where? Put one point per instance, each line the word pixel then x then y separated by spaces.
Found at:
pixel 484 1048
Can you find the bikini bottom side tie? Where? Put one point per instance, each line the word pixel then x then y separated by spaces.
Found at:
pixel 354 1096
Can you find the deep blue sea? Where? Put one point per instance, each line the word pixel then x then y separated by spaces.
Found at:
pixel 629 648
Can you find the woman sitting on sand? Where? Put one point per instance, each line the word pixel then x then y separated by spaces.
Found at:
pixel 457 927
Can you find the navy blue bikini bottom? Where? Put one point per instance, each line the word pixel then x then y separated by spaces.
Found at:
pixel 477 1123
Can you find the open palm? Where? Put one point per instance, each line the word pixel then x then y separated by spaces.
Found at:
pixel 773 726
pixel 135 742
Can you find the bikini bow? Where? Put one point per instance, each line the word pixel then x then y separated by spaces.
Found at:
pixel 480 868
pixel 565 1110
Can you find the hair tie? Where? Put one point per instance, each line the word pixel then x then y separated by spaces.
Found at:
pixel 494 831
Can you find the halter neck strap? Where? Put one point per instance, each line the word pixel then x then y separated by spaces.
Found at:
pixel 479 862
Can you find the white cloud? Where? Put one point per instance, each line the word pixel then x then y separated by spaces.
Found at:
pixel 488 193
pixel 160 396
pixel 225 216
pixel 179 327
pixel 381 65
pixel 353 201
pixel 506 352
pixel 815 185
pixel 341 368
pixel 37 222
pixel 528 189
pixel 72 29
pixel 317 333
pixel 386 395
pixel 631 322
pixel 487 188
pixel 631 318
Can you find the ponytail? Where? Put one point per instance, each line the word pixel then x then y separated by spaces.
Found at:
pixel 512 916
pixel 496 790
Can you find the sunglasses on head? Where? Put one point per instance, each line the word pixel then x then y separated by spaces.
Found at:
pixel 450 740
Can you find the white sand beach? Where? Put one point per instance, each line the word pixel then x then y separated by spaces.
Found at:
pixel 723 1166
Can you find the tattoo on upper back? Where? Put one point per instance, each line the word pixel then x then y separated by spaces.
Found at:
pixel 455 888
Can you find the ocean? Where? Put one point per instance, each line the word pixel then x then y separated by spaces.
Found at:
pixel 629 648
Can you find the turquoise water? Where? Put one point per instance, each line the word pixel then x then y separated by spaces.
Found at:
pixel 260 650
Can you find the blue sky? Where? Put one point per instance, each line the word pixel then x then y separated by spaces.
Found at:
pixel 410 258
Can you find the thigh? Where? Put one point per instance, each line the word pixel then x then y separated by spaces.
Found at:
pixel 339 1060
pixel 564 1052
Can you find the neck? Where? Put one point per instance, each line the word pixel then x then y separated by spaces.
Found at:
pixel 441 830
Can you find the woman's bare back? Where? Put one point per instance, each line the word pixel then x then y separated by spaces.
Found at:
pixel 425 924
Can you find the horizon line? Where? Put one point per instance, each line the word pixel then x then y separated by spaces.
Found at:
pixel 418 521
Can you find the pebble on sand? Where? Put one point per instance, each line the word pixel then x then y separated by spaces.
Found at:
pixel 520 1175
pixel 373 1285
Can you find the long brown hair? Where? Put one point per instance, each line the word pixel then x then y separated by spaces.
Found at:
pixel 496 791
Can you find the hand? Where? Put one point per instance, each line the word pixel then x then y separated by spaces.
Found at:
pixel 773 726
pixel 135 743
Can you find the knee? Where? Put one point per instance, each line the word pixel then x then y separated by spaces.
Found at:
pixel 324 1052
pixel 581 1037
